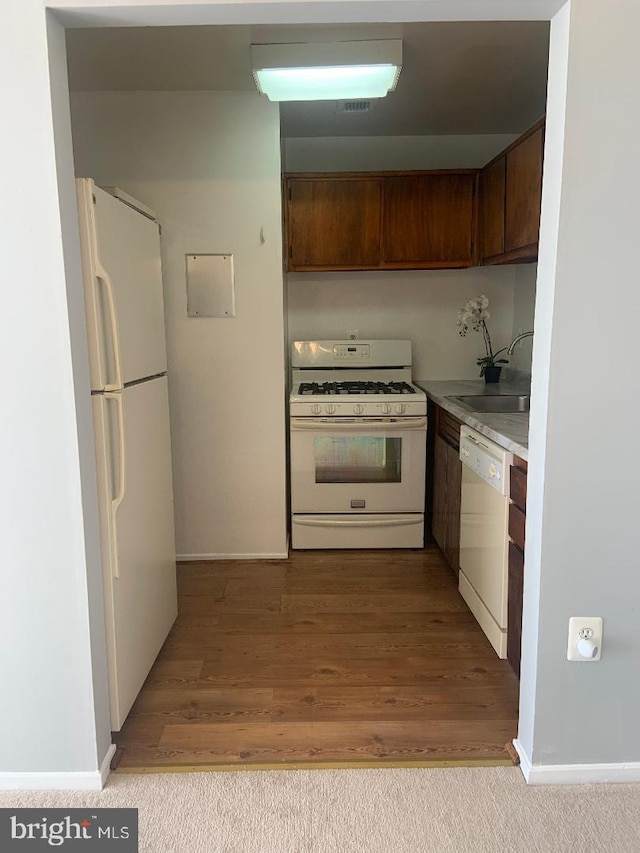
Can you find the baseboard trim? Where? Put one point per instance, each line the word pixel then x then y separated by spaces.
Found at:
pixel 525 764
pixel 93 780
pixel 105 767
pixel 202 558
pixel 575 774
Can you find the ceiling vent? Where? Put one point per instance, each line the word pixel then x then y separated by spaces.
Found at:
pixel 354 107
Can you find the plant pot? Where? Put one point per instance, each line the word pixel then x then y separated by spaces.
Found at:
pixel 492 374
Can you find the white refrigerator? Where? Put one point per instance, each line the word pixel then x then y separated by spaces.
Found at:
pixel 128 364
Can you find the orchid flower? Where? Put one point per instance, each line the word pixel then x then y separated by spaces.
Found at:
pixel 474 315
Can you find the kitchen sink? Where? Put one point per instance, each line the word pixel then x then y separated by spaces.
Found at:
pixel 500 403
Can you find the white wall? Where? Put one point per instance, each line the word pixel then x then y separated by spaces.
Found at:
pixel 524 303
pixel 420 305
pixel 387 153
pixel 582 510
pixel 54 711
pixel 209 165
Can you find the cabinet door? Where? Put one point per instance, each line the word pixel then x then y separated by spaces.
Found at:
pixel 439 514
pixel 523 192
pixel 518 483
pixel 514 613
pixel 454 488
pixel 491 190
pixel 333 224
pixel 427 220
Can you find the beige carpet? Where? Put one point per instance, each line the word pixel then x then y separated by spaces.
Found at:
pixel 456 810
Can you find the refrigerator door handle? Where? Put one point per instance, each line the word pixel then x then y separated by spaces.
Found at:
pixel 103 276
pixel 117 500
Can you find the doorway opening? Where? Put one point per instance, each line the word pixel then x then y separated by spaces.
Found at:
pixel 336 643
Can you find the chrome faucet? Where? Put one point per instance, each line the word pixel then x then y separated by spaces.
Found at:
pixel 517 340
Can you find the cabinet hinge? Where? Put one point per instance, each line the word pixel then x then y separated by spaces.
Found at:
pixel 290 251
pixel 290 193
pixel 94 198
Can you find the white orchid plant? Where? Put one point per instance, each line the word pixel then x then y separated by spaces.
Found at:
pixel 474 316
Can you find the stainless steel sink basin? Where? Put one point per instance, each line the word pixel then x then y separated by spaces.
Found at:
pixel 500 403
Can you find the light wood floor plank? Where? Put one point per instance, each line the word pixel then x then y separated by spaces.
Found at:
pixel 215 704
pixel 425 602
pixel 301 741
pixel 376 672
pixel 329 704
pixel 458 643
pixel 206 605
pixel 339 623
pixel 233 569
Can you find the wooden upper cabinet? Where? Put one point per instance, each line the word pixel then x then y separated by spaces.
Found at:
pixel 379 220
pixel 491 197
pixel 510 192
pixel 418 220
pixel 523 192
pixel 427 220
pixel 333 224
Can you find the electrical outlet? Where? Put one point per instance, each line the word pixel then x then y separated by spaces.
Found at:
pixel 353 334
pixel 585 638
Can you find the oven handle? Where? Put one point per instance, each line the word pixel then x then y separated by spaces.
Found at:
pixel 356 521
pixel 363 425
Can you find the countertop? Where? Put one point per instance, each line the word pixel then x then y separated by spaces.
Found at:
pixel 510 431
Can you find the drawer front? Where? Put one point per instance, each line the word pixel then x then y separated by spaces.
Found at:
pixel 449 428
pixel 518 486
pixel 516 525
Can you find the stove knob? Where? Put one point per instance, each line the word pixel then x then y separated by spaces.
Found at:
pixel 400 408
pixel 358 409
pixel 330 409
pixel 316 409
pixel 386 409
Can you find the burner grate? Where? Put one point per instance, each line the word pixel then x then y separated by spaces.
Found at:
pixel 355 387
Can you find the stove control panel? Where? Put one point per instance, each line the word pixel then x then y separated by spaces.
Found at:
pixel 351 352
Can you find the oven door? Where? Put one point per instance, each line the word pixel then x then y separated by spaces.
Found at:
pixel 358 465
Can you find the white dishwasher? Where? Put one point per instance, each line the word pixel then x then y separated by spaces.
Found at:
pixel 484 521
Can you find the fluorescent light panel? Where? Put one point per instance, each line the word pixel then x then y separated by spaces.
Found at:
pixel 332 71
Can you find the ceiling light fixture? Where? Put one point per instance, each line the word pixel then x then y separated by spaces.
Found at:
pixel 331 71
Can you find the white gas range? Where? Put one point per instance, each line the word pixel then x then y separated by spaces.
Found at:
pixel 358 446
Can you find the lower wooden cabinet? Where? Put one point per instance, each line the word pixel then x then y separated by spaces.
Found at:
pixel 439 502
pixel 514 613
pixel 517 516
pixel 447 483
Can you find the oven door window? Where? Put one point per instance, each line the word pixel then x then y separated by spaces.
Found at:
pixel 357 459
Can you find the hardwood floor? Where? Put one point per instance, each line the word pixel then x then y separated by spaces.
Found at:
pixel 365 657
